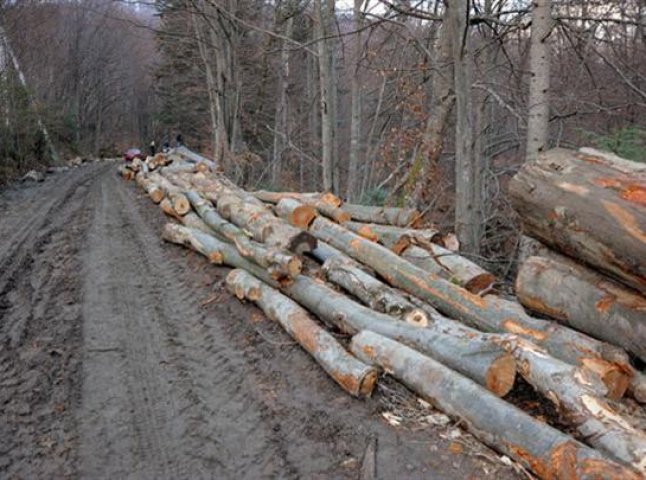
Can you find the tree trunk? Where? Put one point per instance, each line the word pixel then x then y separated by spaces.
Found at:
pixel 588 207
pixel 399 217
pixel 544 450
pixel 539 83
pixel 281 125
pixel 355 125
pixel 583 299
pixel 355 377
pixel 489 314
pixel 279 264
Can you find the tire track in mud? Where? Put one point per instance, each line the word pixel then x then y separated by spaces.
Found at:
pixel 38 355
pixel 148 351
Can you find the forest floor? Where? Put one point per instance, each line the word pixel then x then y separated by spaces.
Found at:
pixel 123 357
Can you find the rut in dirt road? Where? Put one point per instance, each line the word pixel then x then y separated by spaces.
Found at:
pixel 113 365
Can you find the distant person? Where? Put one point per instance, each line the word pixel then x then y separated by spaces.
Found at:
pixel 152 148
pixel 179 140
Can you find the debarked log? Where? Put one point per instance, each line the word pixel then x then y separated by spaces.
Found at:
pixel 279 264
pixel 547 452
pixel 587 207
pixel 399 217
pixel 490 313
pixel 584 299
pixel 354 376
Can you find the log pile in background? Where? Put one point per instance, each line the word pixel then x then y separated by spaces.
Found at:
pixel 419 310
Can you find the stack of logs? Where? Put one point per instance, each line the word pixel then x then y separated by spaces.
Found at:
pixel 430 317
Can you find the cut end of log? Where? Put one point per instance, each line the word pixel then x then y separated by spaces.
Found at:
pixel 168 209
pixel 302 216
pixel 417 318
pixel 181 205
pixel 156 195
pixel 294 267
pixel 401 244
pixel 614 377
pixel 216 257
pixel 302 243
pixel 368 383
pixel 502 375
pixel 201 167
pixel 480 283
pixel 366 232
pixel 331 199
pixel 417 220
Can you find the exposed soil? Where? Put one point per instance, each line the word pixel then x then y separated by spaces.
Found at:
pixel 123 357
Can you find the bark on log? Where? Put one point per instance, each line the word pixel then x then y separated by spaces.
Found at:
pixel 193 220
pixel 399 217
pixel 167 207
pixel 451 266
pixel 589 207
pixel 544 450
pixel 372 292
pixel 478 355
pixel 354 376
pixel 153 190
pixel 279 264
pixel 289 207
pixel 276 197
pixel 196 239
pixel 583 299
pixel 193 157
pixel 490 314
pixel 395 238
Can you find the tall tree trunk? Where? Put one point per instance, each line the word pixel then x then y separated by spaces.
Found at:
pixel 355 126
pixel 281 133
pixel 539 58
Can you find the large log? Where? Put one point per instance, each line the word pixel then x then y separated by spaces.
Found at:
pixel 279 264
pixel 296 213
pixel 490 313
pixel 276 197
pixel 291 206
pixel 196 239
pixel 544 450
pixel 451 266
pixel 399 217
pixel 193 157
pixel 479 356
pixel 589 207
pixel 583 299
pixel 354 376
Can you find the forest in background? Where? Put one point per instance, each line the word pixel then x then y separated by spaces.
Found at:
pixel 432 104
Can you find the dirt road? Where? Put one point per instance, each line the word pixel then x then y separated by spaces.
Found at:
pixel 122 357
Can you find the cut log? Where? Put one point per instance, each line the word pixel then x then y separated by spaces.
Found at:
pixel 395 238
pixel 296 213
pixel 478 355
pixel 540 448
pixel 451 266
pixel 155 193
pixel 167 207
pixel 196 239
pixel 490 314
pixel 354 376
pixel 279 264
pixel 193 220
pixel 637 387
pixel 583 299
pixel 589 207
pixel 399 217
pixel 372 292
pixel 264 226
pixel 193 157
pixel 276 197
pixel 181 205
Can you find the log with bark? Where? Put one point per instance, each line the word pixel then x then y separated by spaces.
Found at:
pixel 592 208
pixel 583 299
pixel 298 214
pixel 490 314
pixel 478 355
pixel 354 376
pixel 275 197
pixel 395 238
pixel 278 263
pixel 544 450
pixel 193 157
pixel 399 217
pixel 153 190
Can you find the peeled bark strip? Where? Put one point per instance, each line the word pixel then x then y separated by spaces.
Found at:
pixel 199 241
pixel 395 238
pixel 589 208
pixel 451 266
pixel 296 213
pixel 583 299
pixel 372 292
pixel 354 376
pixel 279 264
pixel 399 217
pixel 544 450
pixel 490 314
pixel 275 197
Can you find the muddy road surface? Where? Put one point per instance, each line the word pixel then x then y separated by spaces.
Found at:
pixel 123 357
